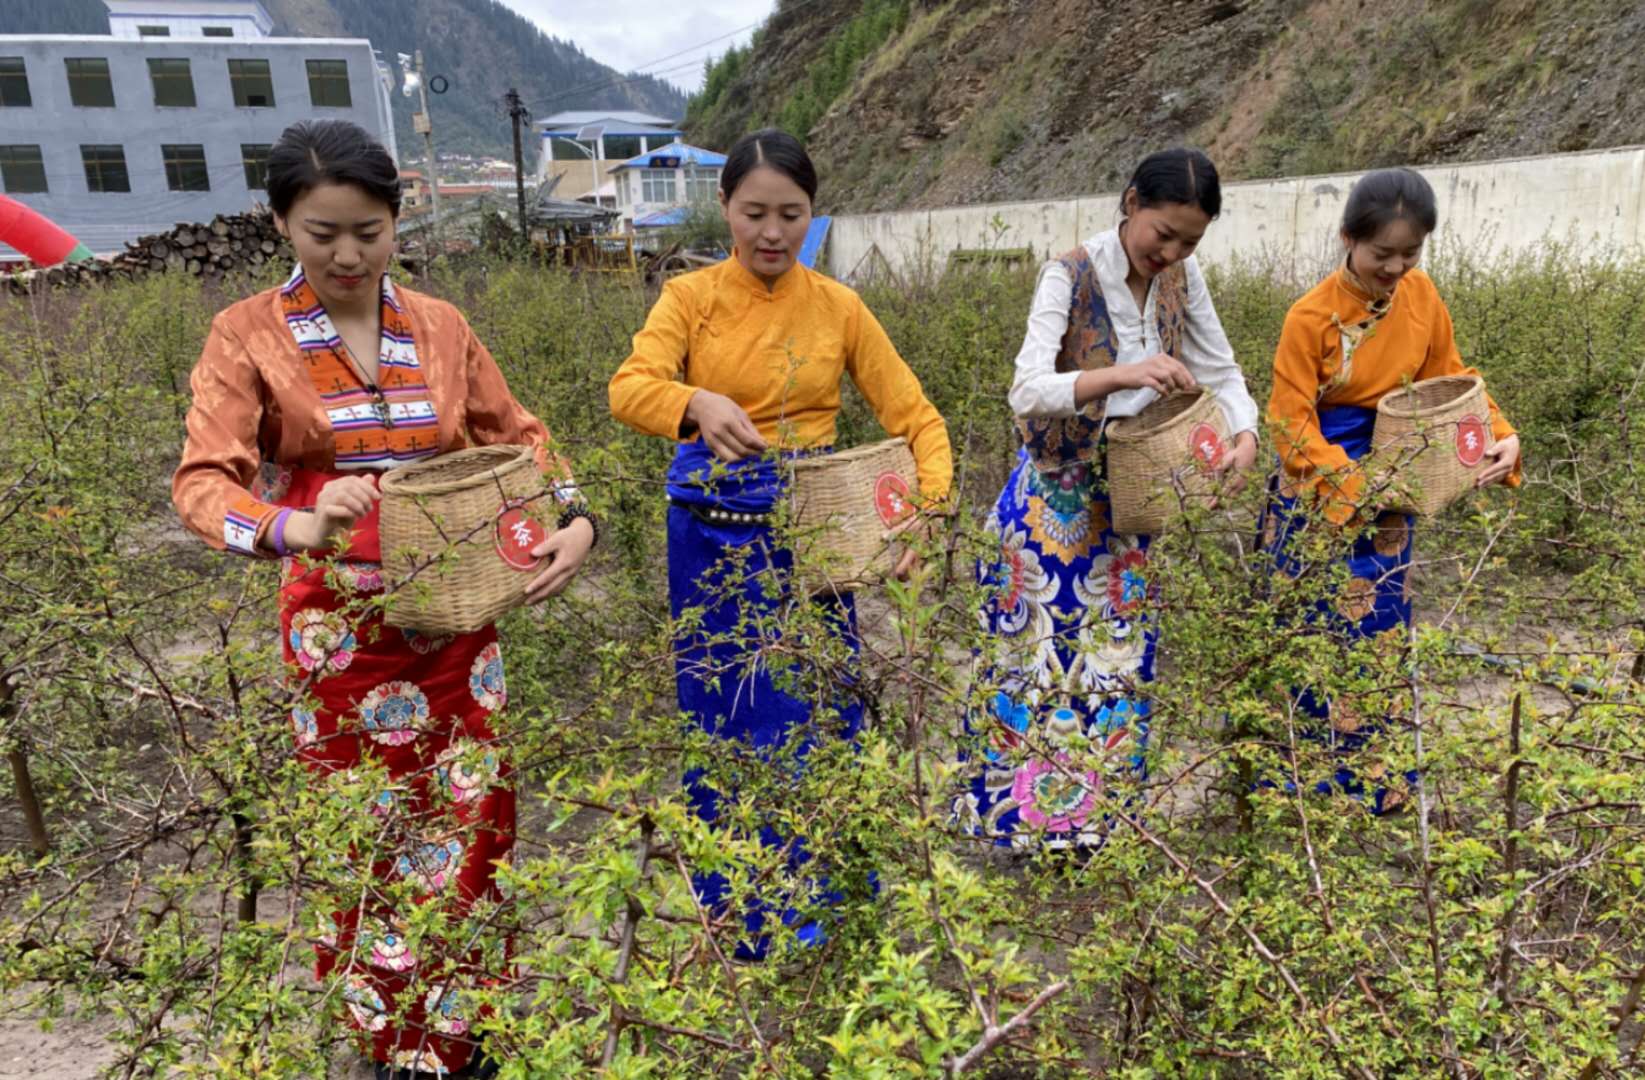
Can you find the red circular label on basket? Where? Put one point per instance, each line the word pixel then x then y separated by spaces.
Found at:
pixel 1470 440
pixel 517 534
pixel 891 498
pixel 1205 446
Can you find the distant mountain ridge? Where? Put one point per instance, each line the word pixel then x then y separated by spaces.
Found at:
pixel 481 46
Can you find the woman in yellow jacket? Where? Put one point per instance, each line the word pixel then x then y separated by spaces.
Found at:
pixel 741 363
pixel 1375 323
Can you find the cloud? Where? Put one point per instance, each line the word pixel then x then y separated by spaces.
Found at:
pixel 668 38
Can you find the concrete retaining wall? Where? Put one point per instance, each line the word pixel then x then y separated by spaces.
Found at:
pixel 1591 200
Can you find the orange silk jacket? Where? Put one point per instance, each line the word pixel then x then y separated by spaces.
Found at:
pixel 255 403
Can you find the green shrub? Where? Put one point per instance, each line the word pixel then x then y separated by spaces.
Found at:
pixel 1224 930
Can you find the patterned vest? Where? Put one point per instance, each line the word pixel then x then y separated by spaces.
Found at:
pixel 1089 344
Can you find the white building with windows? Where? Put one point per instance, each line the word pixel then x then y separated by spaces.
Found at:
pixel 188 19
pixel 655 189
pixel 169 118
pixel 578 149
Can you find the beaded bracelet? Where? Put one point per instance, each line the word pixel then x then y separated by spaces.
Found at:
pixel 575 511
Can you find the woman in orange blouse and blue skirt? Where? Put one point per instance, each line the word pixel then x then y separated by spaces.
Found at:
pixel 1119 321
pixel 741 364
pixel 1374 324
pixel 303 395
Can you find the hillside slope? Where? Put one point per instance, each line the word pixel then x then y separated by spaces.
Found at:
pixel 958 101
pixel 481 46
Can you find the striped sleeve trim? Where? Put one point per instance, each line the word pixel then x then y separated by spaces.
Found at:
pixel 242 521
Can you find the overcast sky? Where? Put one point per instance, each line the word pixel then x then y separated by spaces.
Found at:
pixel 637 35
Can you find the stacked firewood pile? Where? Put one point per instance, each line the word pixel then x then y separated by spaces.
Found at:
pixel 226 245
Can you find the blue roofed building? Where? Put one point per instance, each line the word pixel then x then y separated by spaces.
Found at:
pixel 578 149
pixel 657 188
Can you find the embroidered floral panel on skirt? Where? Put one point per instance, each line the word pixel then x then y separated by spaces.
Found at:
pixel 1375 600
pixel 419 707
pixel 1072 655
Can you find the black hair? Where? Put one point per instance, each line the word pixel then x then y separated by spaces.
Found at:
pixel 314 152
pixel 1180 175
pixel 774 148
pixel 1388 195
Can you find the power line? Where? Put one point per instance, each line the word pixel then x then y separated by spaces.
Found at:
pixel 694 48
pixel 795 6
pixel 622 80
pixel 640 73
pixel 563 94
pixel 643 70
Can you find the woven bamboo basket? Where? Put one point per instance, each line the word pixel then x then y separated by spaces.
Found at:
pixel 482 506
pixel 844 508
pixel 1162 459
pixel 1435 434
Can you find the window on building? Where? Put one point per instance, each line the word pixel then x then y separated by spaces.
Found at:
pixel 217 31
pixel 254 156
pixel 623 198
pixel 105 168
pixel 622 147
pixel 702 185
pixel 14 83
pixel 22 170
pixel 657 185
pixel 154 31
pixel 173 83
pixel 89 83
pixel 328 84
pixel 253 86
pixel 186 168
pixel 567 149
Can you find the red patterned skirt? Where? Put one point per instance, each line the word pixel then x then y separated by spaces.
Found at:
pixel 420 708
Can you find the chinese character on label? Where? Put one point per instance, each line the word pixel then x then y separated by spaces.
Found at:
pixel 517 534
pixel 1471 440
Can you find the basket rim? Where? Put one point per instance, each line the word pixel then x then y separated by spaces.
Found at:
pixel 818 461
pixel 403 480
pixel 1386 406
pixel 1119 431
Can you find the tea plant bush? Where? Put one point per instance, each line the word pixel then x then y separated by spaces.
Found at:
pixel 1233 924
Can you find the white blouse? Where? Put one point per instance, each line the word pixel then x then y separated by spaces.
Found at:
pixel 1040 390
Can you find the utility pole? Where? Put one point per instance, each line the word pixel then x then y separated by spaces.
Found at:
pixel 517 113
pixel 420 123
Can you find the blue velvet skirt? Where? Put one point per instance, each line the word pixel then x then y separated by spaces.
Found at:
pixel 1375 599
pixel 735 580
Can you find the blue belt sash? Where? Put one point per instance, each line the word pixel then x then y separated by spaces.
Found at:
pixel 750 486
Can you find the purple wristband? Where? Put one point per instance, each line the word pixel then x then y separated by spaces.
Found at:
pixel 277 535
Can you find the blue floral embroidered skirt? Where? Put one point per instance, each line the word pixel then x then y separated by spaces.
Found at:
pixel 1375 599
pixel 1071 655
pixel 734 576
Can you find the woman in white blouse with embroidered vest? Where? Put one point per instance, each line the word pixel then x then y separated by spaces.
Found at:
pixel 1117 322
